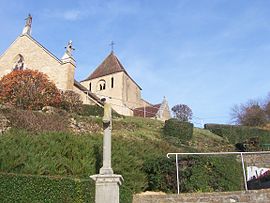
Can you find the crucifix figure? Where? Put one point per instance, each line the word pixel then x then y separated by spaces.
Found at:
pixel 112 44
pixel 69 48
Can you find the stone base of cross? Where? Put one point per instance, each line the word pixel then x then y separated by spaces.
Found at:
pixel 107 188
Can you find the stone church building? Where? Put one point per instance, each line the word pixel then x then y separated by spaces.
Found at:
pixel 109 80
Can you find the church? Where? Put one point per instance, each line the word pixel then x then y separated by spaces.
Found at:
pixel 109 80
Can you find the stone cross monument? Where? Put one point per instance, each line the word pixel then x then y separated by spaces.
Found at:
pixel 107 183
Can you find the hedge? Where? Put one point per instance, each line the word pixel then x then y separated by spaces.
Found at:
pixel 28 188
pixel 178 129
pixel 196 174
pixel 238 134
pixel 94 110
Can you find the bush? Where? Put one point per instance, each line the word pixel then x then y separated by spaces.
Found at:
pixel 36 122
pixel 71 101
pixel 205 174
pixel 26 188
pixel 178 129
pixel 90 110
pixel 28 89
pixel 94 110
pixel 161 174
pixel 239 134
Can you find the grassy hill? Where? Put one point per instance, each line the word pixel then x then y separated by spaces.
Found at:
pixel 70 146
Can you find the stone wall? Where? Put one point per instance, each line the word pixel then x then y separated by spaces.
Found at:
pixel 253 196
pixel 259 160
pixel 4 124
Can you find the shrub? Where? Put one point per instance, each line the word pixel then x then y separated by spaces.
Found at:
pixel 26 188
pixel 94 110
pixel 238 134
pixel 178 129
pixel 161 174
pixel 90 110
pixel 36 122
pixel 206 174
pixel 71 101
pixel 28 89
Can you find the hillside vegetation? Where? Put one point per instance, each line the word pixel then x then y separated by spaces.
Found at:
pixel 70 146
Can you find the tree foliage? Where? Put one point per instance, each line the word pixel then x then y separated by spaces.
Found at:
pixel 71 101
pixel 250 114
pixel 182 112
pixel 28 89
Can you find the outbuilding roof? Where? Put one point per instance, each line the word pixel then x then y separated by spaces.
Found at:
pixel 147 112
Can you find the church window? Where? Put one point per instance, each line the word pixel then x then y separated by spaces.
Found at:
pixel 90 86
pixel 18 62
pixel 101 85
pixel 112 80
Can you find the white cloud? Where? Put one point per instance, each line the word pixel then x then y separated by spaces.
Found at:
pixel 72 15
pixel 68 15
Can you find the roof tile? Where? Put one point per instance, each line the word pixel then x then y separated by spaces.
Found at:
pixel 150 111
pixel 110 65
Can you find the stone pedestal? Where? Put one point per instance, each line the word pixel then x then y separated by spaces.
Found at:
pixel 107 188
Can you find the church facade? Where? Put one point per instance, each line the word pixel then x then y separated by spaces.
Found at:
pixel 109 80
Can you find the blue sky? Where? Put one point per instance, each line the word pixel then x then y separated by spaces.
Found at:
pixel 208 54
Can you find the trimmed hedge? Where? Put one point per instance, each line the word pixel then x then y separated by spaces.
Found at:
pixel 178 129
pixel 94 110
pixel 28 188
pixel 238 134
pixel 196 174
pixel 90 110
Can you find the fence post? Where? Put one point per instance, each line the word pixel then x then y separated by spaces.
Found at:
pixel 244 171
pixel 177 173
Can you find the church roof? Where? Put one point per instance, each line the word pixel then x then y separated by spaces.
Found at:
pixel 89 93
pixel 148 111
pixel 110 65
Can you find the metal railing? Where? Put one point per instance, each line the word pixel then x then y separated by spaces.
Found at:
pixel 214 153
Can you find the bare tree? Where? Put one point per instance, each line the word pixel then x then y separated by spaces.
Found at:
pixel 250 114
pixel 182 112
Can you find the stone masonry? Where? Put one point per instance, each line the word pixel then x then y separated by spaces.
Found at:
pixel 252 196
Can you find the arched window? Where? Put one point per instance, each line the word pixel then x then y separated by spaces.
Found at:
pixel 90 86
pixel 112 81
pixel 18 62
pixel 101 85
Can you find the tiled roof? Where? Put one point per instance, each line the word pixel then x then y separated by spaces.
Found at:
pixel 110 65
pixel 150 111
pixel 86 91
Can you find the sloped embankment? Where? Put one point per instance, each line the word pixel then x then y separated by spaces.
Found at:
pixel 47 145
